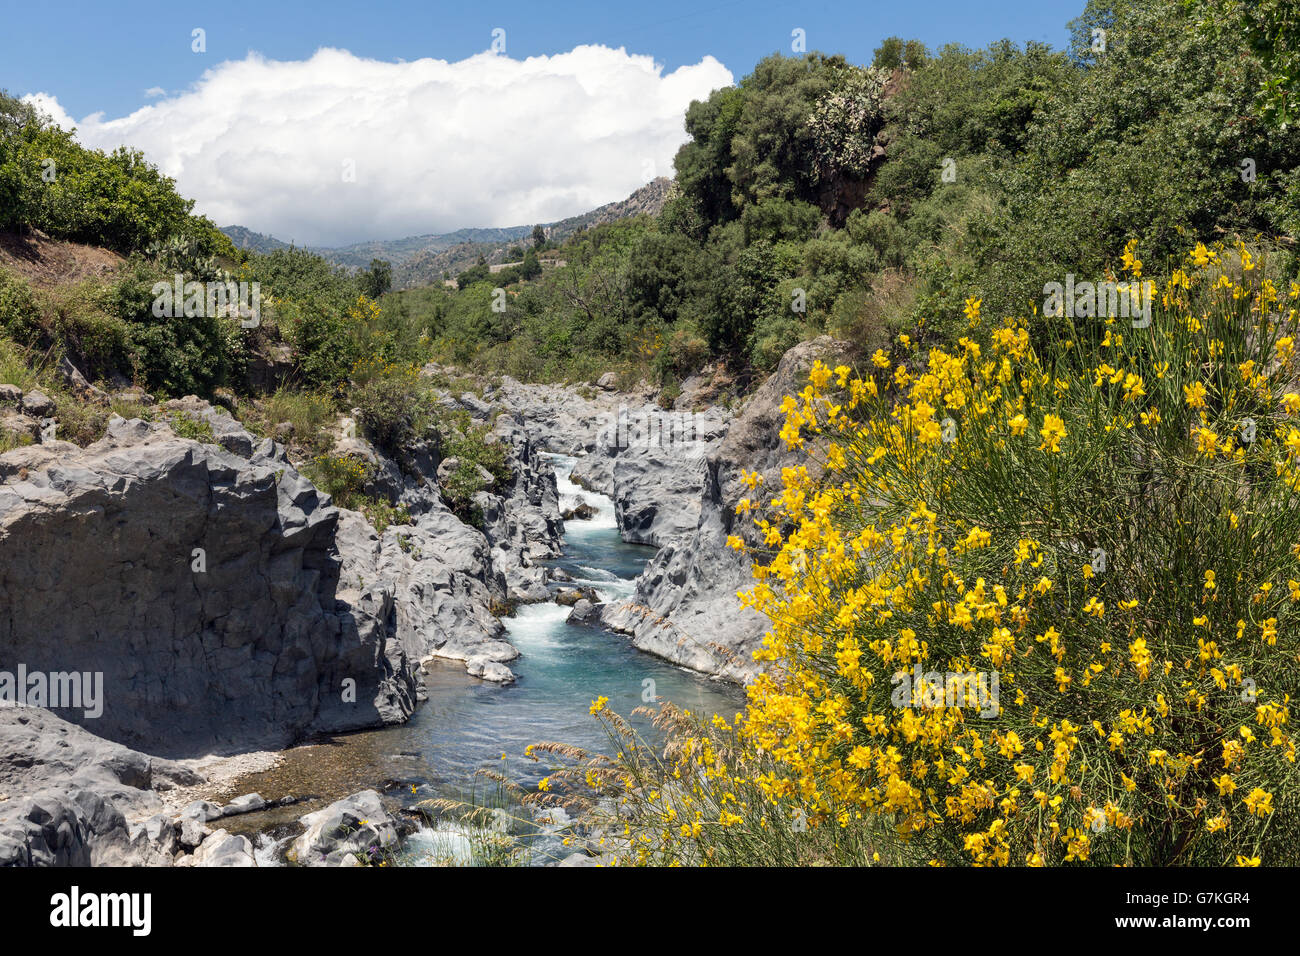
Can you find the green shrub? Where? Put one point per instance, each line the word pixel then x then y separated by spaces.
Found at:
pixel 394 410
pixel 18 309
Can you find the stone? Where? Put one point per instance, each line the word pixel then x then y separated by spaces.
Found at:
pixel 22 428
pixel 11 395
pixel 68 792
pixel 202 811
pixel 608 381
pixel 248 803
pixel 225 849
pixel 585 612
pixel 579 512
pixel 160 550
pixel 191 833
pixel 476 406
pixel 37 404
pixel 488 670
pixel 569 597
pixel 358 826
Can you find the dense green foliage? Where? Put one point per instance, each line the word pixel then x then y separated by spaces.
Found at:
pixel 818 196
pixel 815 196
pixel 116 200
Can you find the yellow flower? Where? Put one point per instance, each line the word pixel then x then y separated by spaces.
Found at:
pixel 1259 802
pixel 1053 431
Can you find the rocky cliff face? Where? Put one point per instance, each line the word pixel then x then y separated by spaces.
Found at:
pixel 649 461
pixel 685 606
pixel 202 584
pixel 522 522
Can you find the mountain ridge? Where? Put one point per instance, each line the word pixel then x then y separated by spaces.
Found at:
pixel 422 260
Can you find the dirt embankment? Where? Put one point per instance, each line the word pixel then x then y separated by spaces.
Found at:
pixel 47 262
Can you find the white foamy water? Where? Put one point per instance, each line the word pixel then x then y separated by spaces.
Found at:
pixel 536 629
pixel 443 845
pixel 570 496
pixel 268 851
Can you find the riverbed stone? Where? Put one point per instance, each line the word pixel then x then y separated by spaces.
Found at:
pixel 248 803
pixel 225 849
pixel 489 670
pixel 358 826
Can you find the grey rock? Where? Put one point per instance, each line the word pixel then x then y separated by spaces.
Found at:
pixel 685 607
pixel 18 425
pixel 191 833
pixel 608 381
pixel 569 597
pixel 251 651
pixel 248 803
pixel 11 395
pixel 489 670
pixel 70 793
pixel 37 404
pixel 155 841
pixel 476 406
pixel 585 612
pixel 358 826
pixel 224 849
pixel 581 511
pixel 202 811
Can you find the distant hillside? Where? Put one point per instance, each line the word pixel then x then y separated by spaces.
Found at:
pixel 253 241
pixel 421 260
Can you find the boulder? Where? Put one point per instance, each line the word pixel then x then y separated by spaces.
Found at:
pixel 476 406
pixel 191 833
pixel 357 826
pixel 248 803
pixel 37 404
pixel 569 597
pixel 584 612
pixel 201 811
pixel 69 793
pixel 581 511
pixel 489 670
pixel 224 849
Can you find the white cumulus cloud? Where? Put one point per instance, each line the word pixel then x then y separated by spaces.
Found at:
pixel 432 146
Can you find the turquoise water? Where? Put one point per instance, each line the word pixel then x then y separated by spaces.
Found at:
pixel 561 669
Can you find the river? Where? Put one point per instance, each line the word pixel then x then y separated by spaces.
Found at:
pixel 467 724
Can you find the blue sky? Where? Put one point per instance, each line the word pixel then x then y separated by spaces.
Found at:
pixel 438 134
pixel 95 55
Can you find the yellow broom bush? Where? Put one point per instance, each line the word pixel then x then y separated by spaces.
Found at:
pixel 1085 558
